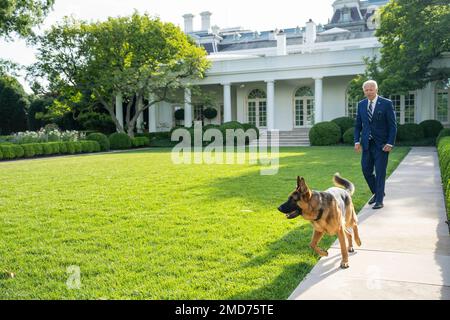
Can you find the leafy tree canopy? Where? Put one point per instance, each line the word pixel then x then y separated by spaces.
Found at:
pixel 137 56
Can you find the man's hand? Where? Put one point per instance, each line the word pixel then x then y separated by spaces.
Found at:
pixel 357 147
pixel 387 148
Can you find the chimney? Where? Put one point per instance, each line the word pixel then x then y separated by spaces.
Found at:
pixel 206 20
pixel 215 29
pixel 281 43
pixel 310 33
pixel 188 23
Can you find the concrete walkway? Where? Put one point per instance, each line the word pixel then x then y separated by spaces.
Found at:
pixel 405 252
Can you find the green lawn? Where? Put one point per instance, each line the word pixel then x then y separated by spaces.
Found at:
pixel 139 227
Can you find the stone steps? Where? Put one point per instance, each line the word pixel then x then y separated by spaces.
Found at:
pixel 294 138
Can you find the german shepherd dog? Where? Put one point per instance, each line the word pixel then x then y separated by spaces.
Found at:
pixel 330 211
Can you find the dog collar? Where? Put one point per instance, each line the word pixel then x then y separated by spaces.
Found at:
pixel 319 216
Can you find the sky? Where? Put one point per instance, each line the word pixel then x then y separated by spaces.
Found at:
pixel 250 14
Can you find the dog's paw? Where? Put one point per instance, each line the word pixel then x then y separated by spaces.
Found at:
pixel 323 253
pixel 358 242
pixel 351 250
pixel 344 265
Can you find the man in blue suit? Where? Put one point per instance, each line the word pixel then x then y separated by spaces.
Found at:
pixel 375 132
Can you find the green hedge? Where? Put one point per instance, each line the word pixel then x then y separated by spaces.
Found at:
pixel 70 145
pixel 18 150
pixel 431 128
pixel 410 132
pixel 444 133
pixel 349 136
pixel 324 134
pixel 119 141
pixel 38 149
pixel 28 149
pixel 7 151
pixel 101 139
pixel 344 124
pixel 444 163
pixel 137 142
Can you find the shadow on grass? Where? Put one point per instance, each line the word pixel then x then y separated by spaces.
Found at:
pixel 294 243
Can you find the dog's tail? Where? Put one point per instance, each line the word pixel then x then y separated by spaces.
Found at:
pixel 344 183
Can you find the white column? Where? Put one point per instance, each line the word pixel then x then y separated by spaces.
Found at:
pixel 140 119
pixel 226 102
pixel 119 108
pixel 187 108
pixel 318 93
pixel 151 115
pixel 270 104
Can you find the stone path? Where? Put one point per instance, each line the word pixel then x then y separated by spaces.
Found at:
pixel 405 252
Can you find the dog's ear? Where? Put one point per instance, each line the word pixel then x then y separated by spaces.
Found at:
pixel 302 186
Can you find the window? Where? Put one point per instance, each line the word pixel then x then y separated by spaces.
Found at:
pixel 404 107
pixel 257 108
pixel 198 112
pixel 351 105
pixel 304 107
pixel 442 104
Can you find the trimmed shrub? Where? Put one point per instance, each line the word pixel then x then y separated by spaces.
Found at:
pixel 18 150
pixel 119 141
pixel 344 123
pixel 62 148
pixel 210 113
pixel 251 126
pixel 179 114
pixel 324 134
pixel 230 125
pixel 431 128
pixel 7 151
pixel 77 146
pixel 444 162
pixel 95 146
pixel 140 142
pixel 28 149
pixel 38 149
pixel 349 136
pixel 70 145
pixel 86 146
pixel 47 148
pixel 409 132
pixel 101 139
pixel 55 147
pixel 444 133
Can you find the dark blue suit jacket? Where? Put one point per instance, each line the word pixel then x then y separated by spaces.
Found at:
pixel 383 127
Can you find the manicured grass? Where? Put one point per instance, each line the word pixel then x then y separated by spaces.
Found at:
pixel 140 227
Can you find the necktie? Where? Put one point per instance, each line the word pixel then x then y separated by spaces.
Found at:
pixel 370 111
pixel 370 114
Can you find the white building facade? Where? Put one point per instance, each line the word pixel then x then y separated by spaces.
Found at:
pixel 290 79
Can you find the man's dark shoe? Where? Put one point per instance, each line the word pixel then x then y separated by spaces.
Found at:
pixel 378 206
pixel 372 199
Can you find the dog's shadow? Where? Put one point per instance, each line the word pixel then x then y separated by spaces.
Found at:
pixel 295 243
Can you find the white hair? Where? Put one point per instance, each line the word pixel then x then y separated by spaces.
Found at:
pixel 370 82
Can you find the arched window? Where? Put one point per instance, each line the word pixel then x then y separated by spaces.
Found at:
pixel 442 104
pixel 257 94
pixel 257 108
pixel 304 107
pixel 304 92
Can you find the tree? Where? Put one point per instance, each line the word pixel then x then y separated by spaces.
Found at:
pixel 13 105
pixel 136 56
pixel 21 16
pixel 413 34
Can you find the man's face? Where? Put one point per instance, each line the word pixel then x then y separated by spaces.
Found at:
pixel 370 91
